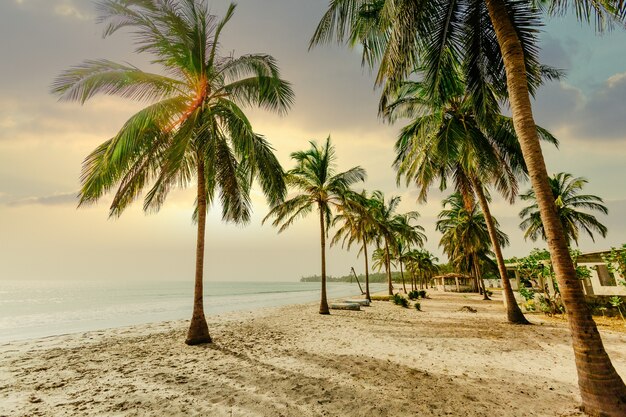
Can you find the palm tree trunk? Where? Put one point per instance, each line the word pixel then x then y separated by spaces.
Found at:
pixel 324 302
pixel 602 390
pixel 402 275
pixel 367 274
pixel 479 275
pixel 388 266
pixel 513 312
pixel 198 329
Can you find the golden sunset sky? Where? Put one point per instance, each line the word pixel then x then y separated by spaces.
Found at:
pixel 42 143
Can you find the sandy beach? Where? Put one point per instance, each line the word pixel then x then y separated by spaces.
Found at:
pixel 290 361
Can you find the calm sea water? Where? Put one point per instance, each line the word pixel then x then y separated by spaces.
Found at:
pixel 30 309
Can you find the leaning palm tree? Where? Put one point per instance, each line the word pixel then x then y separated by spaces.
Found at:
pixel 496 42
pixel 568 201
pixel 447 139
pixel 319 187
pixel 356 224
pixel 193 130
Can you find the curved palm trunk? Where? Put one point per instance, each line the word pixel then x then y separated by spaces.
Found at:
pixel 198 329
pixel 602 390
pixel 324 301
pixel 513 312
pixel 402 275
pixel 367 274
pixel 388 266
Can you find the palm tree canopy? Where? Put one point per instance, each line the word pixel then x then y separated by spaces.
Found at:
pixel 464 232
pixel 194 114
pixel 438 36
pixel 354 220
pixel 569 205
pixel 317 185
pixel 446 139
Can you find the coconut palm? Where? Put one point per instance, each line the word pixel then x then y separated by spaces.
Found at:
pixel 355 226
pixel 568 201
pixel 193 129
pixel 422 263
pixel 319 187
pixel 465 238
pixel 496 43
pixel 389 226
pixel 446 139
pixel 406 235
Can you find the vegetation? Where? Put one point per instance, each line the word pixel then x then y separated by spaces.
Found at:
pixel 319 187
pixel 399 300
pixel 193 130
pixel 357 225
pixel 616 262
pixel 495 42
pixel 568 202
pixel 465 238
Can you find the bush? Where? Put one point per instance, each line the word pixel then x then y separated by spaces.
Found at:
pixel 527 294
pixel 422 294
pixel 413 295
pixel 399 300
pixel 418 306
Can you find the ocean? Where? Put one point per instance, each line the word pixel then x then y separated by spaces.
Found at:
pixel 33 309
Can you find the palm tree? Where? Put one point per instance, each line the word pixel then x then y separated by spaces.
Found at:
pixel 465 238
pixel 496 42
pixel 422 263
pixel 446 139
pixel 355 225
pixel 568 201
pixel 194 128
pixel 389 226
pixel 320 187
pixel 405 236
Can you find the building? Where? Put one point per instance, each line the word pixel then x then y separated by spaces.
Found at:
pixel 601 281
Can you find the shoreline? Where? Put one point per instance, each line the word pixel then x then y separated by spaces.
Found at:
pixel 290 361
pixel 97 306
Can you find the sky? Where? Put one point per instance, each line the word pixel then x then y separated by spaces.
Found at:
pixel 43 142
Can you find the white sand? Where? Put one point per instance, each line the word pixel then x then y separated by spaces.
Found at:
pixel 290 361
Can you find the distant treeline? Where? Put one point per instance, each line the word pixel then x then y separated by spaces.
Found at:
pixel 374 277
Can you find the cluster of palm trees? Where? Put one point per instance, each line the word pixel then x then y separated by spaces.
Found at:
pixel 476 54
pixel 469 56
pixel 360 218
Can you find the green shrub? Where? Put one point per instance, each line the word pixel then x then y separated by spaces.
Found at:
pixel 413 295
pixel 418 306
pixel 399 300
pixel 528 294
pixel 422 294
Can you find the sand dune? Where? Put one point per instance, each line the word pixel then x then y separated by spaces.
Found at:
pixel 290 361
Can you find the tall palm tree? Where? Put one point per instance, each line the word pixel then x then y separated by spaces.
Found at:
pixel 406 235
pixel 319 187
pixel 496 42
pixel 422 263
pixel 355 226
pixel 465 238
pixel 389 226
pixel 568 201
pixel 193 130
pixel 446 139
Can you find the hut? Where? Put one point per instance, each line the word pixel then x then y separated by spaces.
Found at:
pixel 454 282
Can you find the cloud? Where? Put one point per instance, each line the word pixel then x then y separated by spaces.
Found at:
pixel 596 116
pixel 65 8
pixel 50 200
